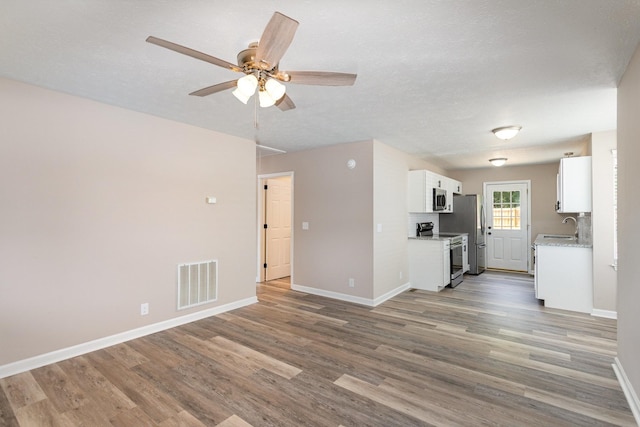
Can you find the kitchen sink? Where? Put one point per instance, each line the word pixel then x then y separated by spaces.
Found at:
pixel 558 236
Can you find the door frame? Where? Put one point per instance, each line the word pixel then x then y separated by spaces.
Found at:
pixel 527 182
pixel 260 234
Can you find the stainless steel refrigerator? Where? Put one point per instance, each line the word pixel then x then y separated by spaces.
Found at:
pixel 468 217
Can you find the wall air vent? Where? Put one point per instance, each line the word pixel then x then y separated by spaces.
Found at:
pixel 197 283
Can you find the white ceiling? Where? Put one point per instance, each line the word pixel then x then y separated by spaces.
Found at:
pixel 434 77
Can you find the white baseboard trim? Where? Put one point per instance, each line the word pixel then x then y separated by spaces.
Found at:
pixel 87 347
pixel 627 388
pixel 350 298
pixel 392 293
pixel 609 314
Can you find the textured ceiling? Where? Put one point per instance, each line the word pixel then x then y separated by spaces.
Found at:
pixel 434 77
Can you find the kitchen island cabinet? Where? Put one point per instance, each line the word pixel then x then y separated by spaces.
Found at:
pixel 563 273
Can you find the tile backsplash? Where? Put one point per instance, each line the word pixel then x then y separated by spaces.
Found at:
pixel 415 218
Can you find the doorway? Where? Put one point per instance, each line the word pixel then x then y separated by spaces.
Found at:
pixel 508 236
pixel 275 239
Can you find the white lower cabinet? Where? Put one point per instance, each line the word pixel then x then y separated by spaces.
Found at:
pixel 429 264
pixel 564 277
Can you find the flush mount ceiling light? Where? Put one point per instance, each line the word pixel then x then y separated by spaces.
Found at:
pixel 506 132
pixel 498 161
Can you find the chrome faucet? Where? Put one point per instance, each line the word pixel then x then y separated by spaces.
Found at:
pixel 564 221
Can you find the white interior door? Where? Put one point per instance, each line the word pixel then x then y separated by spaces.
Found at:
pixel 507 226
pixel 278 230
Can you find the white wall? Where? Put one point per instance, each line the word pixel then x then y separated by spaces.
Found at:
pixel 602 220
pixel 390 257
pixel 98 207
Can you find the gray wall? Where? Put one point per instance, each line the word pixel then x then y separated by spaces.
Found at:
pixel 628 230
pixel 343 208
pixel 337 202
pixel 98 207
pixel 544 219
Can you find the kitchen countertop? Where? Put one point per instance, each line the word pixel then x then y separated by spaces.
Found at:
pixel 565 240
pixel 439 236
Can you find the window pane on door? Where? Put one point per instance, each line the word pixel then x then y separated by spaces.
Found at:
pixel 506 210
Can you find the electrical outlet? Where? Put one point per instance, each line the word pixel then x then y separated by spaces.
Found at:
pixel 401 274
pixel 144 309
pixel 352 282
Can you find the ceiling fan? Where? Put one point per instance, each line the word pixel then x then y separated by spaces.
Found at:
pixel 260 64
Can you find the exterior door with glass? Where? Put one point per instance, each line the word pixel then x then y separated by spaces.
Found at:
pixel 508 226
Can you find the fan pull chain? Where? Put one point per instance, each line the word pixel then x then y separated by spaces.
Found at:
pixel 255 114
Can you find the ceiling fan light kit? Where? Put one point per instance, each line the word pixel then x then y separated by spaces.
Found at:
pixel 275 89
pixel 241 96
pixel 247 84
pixel 265 99
pixel 270 90
pixel 506 132
pixel 499 161
pixel 260 62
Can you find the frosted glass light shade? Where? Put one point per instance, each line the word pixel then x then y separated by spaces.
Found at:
pixel 265 99
pixel 241 96
pixel 247 85
pixel 498 161
pixel 275 89
pixel 506 132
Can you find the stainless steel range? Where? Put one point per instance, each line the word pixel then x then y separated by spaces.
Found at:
pixel 456 257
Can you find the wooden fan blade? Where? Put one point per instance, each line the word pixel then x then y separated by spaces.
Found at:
pixel 285 103
pixel 275 40
pixel 322 78
pixel 215 88
pixel 193 53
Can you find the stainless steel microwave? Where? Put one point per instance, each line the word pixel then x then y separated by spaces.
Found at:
pixel 439 199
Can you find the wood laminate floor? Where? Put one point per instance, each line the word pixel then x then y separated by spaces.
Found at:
pixel 484 353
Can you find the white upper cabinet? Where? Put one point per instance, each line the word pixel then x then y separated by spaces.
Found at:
pixel 420 192
pixel 574 185
pixel 453 187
